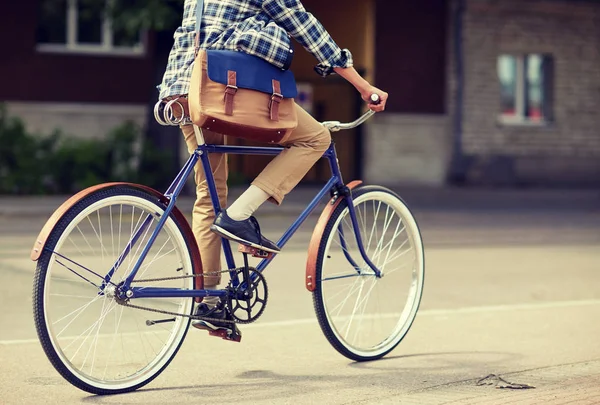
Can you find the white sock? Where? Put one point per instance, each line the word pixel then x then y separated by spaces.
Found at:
pixel 247 203
pixel 210 301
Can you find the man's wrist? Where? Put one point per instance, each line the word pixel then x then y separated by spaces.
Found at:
pixel 354 78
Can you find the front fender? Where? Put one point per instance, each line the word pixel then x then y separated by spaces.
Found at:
pixel 315 240
pixel 42 238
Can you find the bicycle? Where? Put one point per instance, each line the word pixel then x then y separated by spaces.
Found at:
pixel 119 271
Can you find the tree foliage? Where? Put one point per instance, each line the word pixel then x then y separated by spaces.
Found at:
pixel 134 15
pixel 131 16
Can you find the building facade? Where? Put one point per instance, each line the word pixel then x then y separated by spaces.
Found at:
pixel 531 91
pixel 62 68
pixel 522 86
pixel 500 92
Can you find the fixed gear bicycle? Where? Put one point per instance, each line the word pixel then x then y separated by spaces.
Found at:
pixel 119 273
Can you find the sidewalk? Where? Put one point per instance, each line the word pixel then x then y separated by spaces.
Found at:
pixel 417 198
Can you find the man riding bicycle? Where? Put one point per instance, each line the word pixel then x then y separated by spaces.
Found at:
pixel 262 28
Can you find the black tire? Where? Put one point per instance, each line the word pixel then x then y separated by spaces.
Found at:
pixel 42 298
pixel 329 258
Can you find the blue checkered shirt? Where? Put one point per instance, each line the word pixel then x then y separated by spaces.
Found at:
pixel 257 27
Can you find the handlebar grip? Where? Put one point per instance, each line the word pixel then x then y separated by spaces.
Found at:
pixel 375 99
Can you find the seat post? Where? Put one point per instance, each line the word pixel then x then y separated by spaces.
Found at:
pixel 199 136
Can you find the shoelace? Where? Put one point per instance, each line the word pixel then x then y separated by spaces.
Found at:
pixel 254 222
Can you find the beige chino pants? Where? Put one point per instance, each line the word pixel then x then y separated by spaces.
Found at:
pixel 303 148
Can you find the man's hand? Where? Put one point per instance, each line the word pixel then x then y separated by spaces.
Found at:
pixel 366 96
pixel 364 88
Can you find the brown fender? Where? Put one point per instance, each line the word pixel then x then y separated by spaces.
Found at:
pixel 40 243
pixel 315 240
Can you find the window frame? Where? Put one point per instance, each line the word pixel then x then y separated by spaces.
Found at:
pixel 521 87
pixel 106 47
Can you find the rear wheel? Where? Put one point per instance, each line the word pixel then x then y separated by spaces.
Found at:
pixel 94 342
pixel 365 317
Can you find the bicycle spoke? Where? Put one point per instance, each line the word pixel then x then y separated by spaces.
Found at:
pixel 95 342
pixel 120 223
pixel 146 266
pixel 400 254
pixel 388 245
pixel 140 243
pixel 86 241
pixel 344 287
pixel 98 324
pixel 387 273
pixel 70 296
pixel 77 247
pixel 79 310
pixel 364 307
pixel 373 228
pixel 89 331
pixel 112 235
pixel 343 303
pixel 362 284
pixel 386 224
pixel 112 344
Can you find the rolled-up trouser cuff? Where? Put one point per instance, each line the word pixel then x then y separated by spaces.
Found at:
pixel 276 196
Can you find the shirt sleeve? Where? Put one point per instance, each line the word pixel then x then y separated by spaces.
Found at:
pixel 310 33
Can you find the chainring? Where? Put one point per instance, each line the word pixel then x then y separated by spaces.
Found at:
pixel 248 310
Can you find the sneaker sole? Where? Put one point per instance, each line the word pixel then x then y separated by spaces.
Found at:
pixel 228 235
pixel 203 325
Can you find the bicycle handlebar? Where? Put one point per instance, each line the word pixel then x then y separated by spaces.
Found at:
pixel 335 126
pixel 164 115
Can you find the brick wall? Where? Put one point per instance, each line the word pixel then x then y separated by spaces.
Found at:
pixel 568 149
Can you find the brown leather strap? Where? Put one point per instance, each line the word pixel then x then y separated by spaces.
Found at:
pixel 230 91
pixel 276 98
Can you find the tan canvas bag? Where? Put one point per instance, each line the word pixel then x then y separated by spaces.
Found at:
pixel 241 95
pixel 241 99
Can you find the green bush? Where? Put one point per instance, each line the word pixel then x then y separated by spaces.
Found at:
pixel 58 164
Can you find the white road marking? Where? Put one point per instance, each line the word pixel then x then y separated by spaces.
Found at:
pixel 421 313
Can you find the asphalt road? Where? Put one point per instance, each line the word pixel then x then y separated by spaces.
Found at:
pixel 512 292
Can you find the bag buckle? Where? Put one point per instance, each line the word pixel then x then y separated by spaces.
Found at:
pixel 277 97
pixel 231 89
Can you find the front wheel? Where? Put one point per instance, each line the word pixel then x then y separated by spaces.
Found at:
pixel 95 343
pixel 363 316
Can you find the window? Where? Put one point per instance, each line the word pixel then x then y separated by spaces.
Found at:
pixel 78 26
pixel 525 88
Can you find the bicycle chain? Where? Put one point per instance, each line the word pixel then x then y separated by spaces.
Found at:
pixel 194 317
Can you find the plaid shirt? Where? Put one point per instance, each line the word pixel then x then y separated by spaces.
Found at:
pixel 257 27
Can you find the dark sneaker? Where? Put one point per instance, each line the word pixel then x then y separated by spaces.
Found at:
pixel 219 316
pixel 246 232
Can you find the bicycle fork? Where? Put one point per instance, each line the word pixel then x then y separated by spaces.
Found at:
pixel 358 237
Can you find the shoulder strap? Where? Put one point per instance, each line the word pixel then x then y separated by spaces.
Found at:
pixel 199 11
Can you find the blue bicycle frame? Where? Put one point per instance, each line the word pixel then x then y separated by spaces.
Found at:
pixel 201 153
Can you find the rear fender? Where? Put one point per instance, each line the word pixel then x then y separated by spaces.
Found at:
pixel 42 238
pixel 315 240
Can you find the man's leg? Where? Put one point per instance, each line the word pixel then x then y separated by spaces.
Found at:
pixel 305 146
pixel 203 214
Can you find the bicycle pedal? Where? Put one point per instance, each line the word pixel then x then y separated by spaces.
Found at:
pixel 226 334
pixel 255 252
